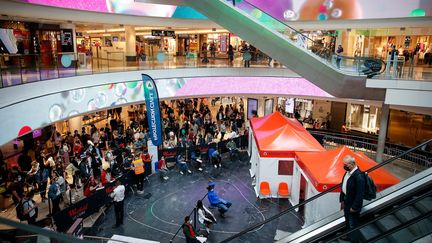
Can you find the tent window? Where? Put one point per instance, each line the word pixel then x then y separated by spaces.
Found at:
pixel 285 167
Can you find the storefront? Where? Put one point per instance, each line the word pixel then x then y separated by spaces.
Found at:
pixel 363 118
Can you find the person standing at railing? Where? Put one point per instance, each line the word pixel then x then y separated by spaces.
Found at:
pixel 339 55
pixel 189 231
pixel 246 55
pixel 352 194
pixel 204 52
pixel 230 54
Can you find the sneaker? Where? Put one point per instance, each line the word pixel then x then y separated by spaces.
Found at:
pixel 181 172
pixel 140 192
pixel 166 178
pixel 215 166
pixel 200 169
pixel 189 171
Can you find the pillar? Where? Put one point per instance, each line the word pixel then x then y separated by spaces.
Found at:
pixel 382 132
pixel 130 53
pixel 75 123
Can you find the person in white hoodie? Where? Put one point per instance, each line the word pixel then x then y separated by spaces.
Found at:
pixel 205 216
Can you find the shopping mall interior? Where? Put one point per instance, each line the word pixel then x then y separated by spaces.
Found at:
pixel 216 121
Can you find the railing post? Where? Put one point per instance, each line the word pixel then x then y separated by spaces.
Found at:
pixel 20 68
pixel 195 218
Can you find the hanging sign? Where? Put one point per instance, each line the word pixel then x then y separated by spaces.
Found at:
pixel 153 111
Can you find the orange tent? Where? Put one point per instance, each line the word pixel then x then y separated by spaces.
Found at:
pixel 325 169
pixel 280 136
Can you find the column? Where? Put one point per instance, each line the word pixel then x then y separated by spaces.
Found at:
pixel 382 132
pixel 130 53
pixel 75 123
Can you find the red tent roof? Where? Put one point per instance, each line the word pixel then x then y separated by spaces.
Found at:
pixel 280 136
pixel 325 169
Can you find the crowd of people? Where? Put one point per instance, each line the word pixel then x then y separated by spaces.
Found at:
pixel 66 166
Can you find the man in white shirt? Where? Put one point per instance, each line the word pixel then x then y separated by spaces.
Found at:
pixel 352 194
pixel 118 195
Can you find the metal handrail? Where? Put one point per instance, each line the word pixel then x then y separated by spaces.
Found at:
pixel 319 195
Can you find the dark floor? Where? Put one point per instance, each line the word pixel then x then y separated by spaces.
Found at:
pixel 159 212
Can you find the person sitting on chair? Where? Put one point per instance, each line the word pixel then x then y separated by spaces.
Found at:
pixel 196 157
pixel 232 147
pixel 215 201
pixel 214 157
pixel 182 165
pixel 163 170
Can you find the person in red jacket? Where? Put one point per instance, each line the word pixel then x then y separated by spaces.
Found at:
pixel 106 176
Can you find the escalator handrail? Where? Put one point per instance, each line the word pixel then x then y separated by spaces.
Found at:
pixel 381 216
pixel 250 228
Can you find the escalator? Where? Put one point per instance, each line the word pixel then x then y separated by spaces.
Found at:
pixel 342 77
pixel 404 215
pixel 400 213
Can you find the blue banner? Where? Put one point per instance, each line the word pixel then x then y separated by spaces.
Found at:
pixel 153 112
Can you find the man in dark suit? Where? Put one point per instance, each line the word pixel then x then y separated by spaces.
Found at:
pixel 351 197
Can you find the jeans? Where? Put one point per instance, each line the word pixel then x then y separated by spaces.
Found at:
pixel 119 211
pixel 223 205
pixel 338 61
pixel 351 221
pixel 183 167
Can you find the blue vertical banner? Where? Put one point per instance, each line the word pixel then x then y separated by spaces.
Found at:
pixel 153 112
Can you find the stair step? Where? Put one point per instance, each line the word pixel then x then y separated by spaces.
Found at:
pixel 424 205
pixel 370 231
pixel 388 223
pixel 409 213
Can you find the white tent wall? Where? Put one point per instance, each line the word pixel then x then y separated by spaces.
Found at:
pixel 295 189
pixel 320 208
pixel 254 159
pixel 268 171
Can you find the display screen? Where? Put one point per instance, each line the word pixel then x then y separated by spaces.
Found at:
pixel 292 10
pixel 289 105
pixel 124 7
pixel 252 108
pixel 286 10
pixel 268 107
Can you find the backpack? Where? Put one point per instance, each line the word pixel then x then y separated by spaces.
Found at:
pixel 20 211
pixel 370 188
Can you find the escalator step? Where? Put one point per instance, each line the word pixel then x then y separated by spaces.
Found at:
pixel 424 205
pixel 388 223
pixel 370 231
pixel 409 213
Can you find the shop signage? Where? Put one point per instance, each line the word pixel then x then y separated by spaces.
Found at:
pixel 66 40
pixel 153 112
pixel 169 33
pixel 374 65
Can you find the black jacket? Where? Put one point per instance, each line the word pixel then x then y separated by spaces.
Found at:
pixel 355 191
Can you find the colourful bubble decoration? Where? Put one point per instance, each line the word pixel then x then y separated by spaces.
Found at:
pixel 256 13
pixel 419 12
